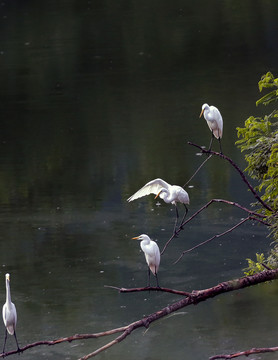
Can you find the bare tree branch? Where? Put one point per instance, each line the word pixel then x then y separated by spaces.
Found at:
pixel 245 353
pixel 65 339
pixel 193 298
pixel 212 238
pixel 150 288
pixel 221 234
pixel 77 337
pixel 180 228
pixel 265 205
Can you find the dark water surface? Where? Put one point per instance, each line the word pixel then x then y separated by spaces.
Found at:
pixel 97 98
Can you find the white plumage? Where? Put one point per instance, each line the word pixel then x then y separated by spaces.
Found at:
pixel 214 119
pixel 152 253
pixel 169 193
pixel 9 313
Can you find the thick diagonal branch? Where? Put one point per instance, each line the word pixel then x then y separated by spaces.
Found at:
pixel 195 297
pixel 265 205
pixel 245 353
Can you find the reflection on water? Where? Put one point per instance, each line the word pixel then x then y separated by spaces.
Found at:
pixel 97 98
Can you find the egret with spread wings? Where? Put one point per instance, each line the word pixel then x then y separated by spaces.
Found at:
pixel 171 194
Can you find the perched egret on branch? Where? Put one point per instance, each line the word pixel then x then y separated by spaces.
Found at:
pixel 9 314
pixel 152 254
pixel 169 193
pixel 214 121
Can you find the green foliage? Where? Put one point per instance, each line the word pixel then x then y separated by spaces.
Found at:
pixel 268 81
pixel 259 138
pixel 255 266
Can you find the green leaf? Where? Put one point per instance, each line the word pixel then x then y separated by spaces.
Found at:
pixel 268 98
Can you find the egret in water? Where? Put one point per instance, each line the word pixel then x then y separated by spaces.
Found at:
pixel 152 254
pixel 169 193
pixel 215 123
pixel 9 314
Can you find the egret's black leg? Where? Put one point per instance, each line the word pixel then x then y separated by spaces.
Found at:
pixel 211 141
pixel 18 349
pixel 176 221
pixel 5 342
pixel 186 211
pixel 221 152
pixel 149 274
pixel 157 284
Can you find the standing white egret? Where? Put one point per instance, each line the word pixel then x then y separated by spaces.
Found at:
pixel 215 123
pixel 9 314
pixel 152 254
pixel 169 193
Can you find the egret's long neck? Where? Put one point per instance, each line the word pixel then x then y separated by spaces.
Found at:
pixel 169 196
pixel 145 242
pixel 164 194
pixel 207 115
pixel 8 293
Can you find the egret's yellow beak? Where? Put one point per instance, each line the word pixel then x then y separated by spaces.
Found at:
pixel 135 238
pixel 158 194
pixel 202 112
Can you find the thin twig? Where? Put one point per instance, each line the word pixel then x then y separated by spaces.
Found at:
pixel 199 168
pixel 265 266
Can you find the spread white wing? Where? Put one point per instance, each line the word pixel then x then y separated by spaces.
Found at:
pixel 152 187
